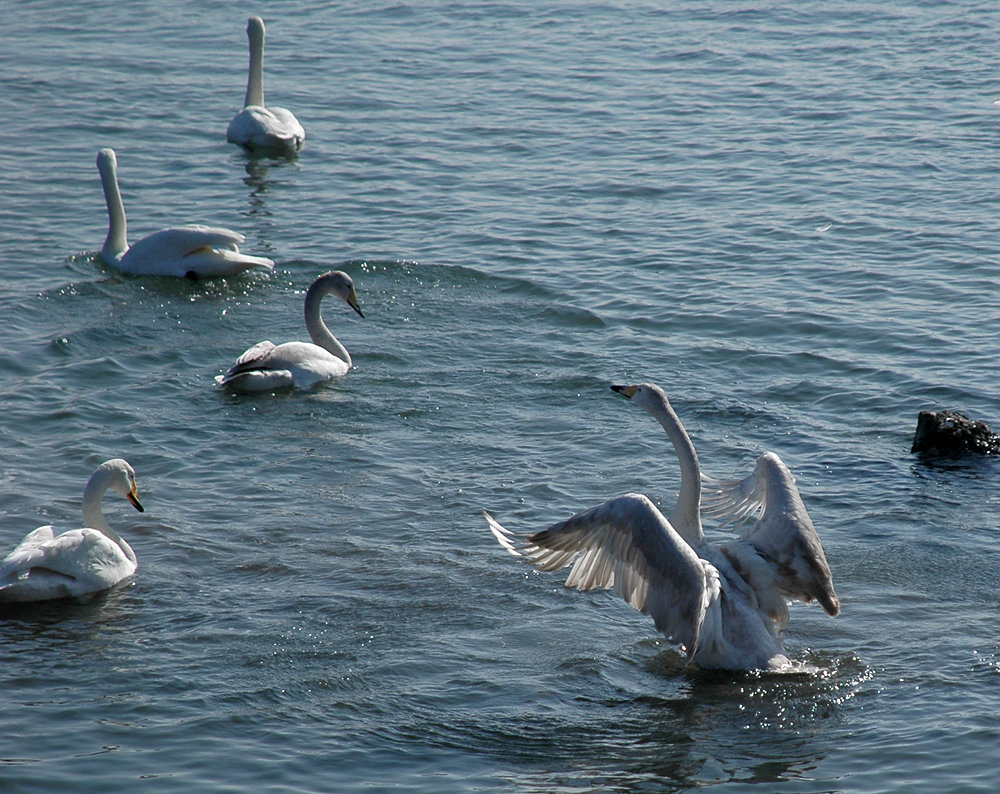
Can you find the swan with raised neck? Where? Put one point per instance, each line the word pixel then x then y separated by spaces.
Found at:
pixel 257 126
pixel 724 605
pixel 191 251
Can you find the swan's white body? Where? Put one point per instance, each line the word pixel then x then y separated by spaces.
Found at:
pixel 267 366
pixel 45 565
pixel 182 251
pixel 258 126
pixel 724 605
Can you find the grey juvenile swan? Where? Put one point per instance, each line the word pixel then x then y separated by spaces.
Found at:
pixel 267 366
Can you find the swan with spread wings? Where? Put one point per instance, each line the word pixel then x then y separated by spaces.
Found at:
pixel 725 605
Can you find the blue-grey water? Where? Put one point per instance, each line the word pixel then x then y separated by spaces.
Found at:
pixel 786 214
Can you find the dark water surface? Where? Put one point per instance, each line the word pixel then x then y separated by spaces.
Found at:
pixel 784 214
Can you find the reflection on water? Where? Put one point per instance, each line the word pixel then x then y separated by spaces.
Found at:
pixel 91 610
pixel 264 188
pixel 704 728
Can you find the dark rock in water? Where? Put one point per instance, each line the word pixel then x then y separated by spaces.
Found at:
pixel 952 433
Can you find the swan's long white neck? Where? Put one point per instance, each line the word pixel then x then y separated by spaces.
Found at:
pixel 255 79
pixel 318 331
pixel 116 243
pixel 93 515
pixel 686 514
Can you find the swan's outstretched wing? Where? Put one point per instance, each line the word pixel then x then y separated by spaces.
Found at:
pixel 627 545
pixel 783 532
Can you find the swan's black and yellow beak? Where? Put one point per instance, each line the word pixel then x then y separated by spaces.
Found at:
pixel 133 497
pixel 628 391
pixel 352 301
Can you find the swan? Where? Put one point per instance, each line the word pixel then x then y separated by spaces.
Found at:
pixel 267 366
pixel 183 251
pixel 44 565
pixel 724 605
pixel 257 125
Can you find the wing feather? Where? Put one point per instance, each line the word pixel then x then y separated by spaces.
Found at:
pixel 180 241
pixel 782 530
pixel 628 546
pixel 253 357
pixel 203 250
pixel 69 554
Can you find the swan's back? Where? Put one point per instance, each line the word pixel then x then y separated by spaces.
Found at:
pixel 260 127
pixel 266 367
pixel 190 251
pixel 46 566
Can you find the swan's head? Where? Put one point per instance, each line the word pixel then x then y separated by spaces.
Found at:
pixel 337 282
pixel 107 163
pixel 119 476
pixel 646 395
pixel 255 30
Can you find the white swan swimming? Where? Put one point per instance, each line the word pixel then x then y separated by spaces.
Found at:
pixel 183 251
pixel 79 561
pixel 724 605
pixel 258 126
pixel 267 366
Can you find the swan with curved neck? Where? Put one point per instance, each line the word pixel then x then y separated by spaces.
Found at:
pixel 724 605
pixel 182 251
pixel 685 516
pixel 257 126
pixel 780 554
pixel 266 366
pixel 45 565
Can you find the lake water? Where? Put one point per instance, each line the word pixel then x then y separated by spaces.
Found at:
pixel 785 214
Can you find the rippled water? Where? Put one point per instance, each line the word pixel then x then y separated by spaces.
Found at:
pixel 786 215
